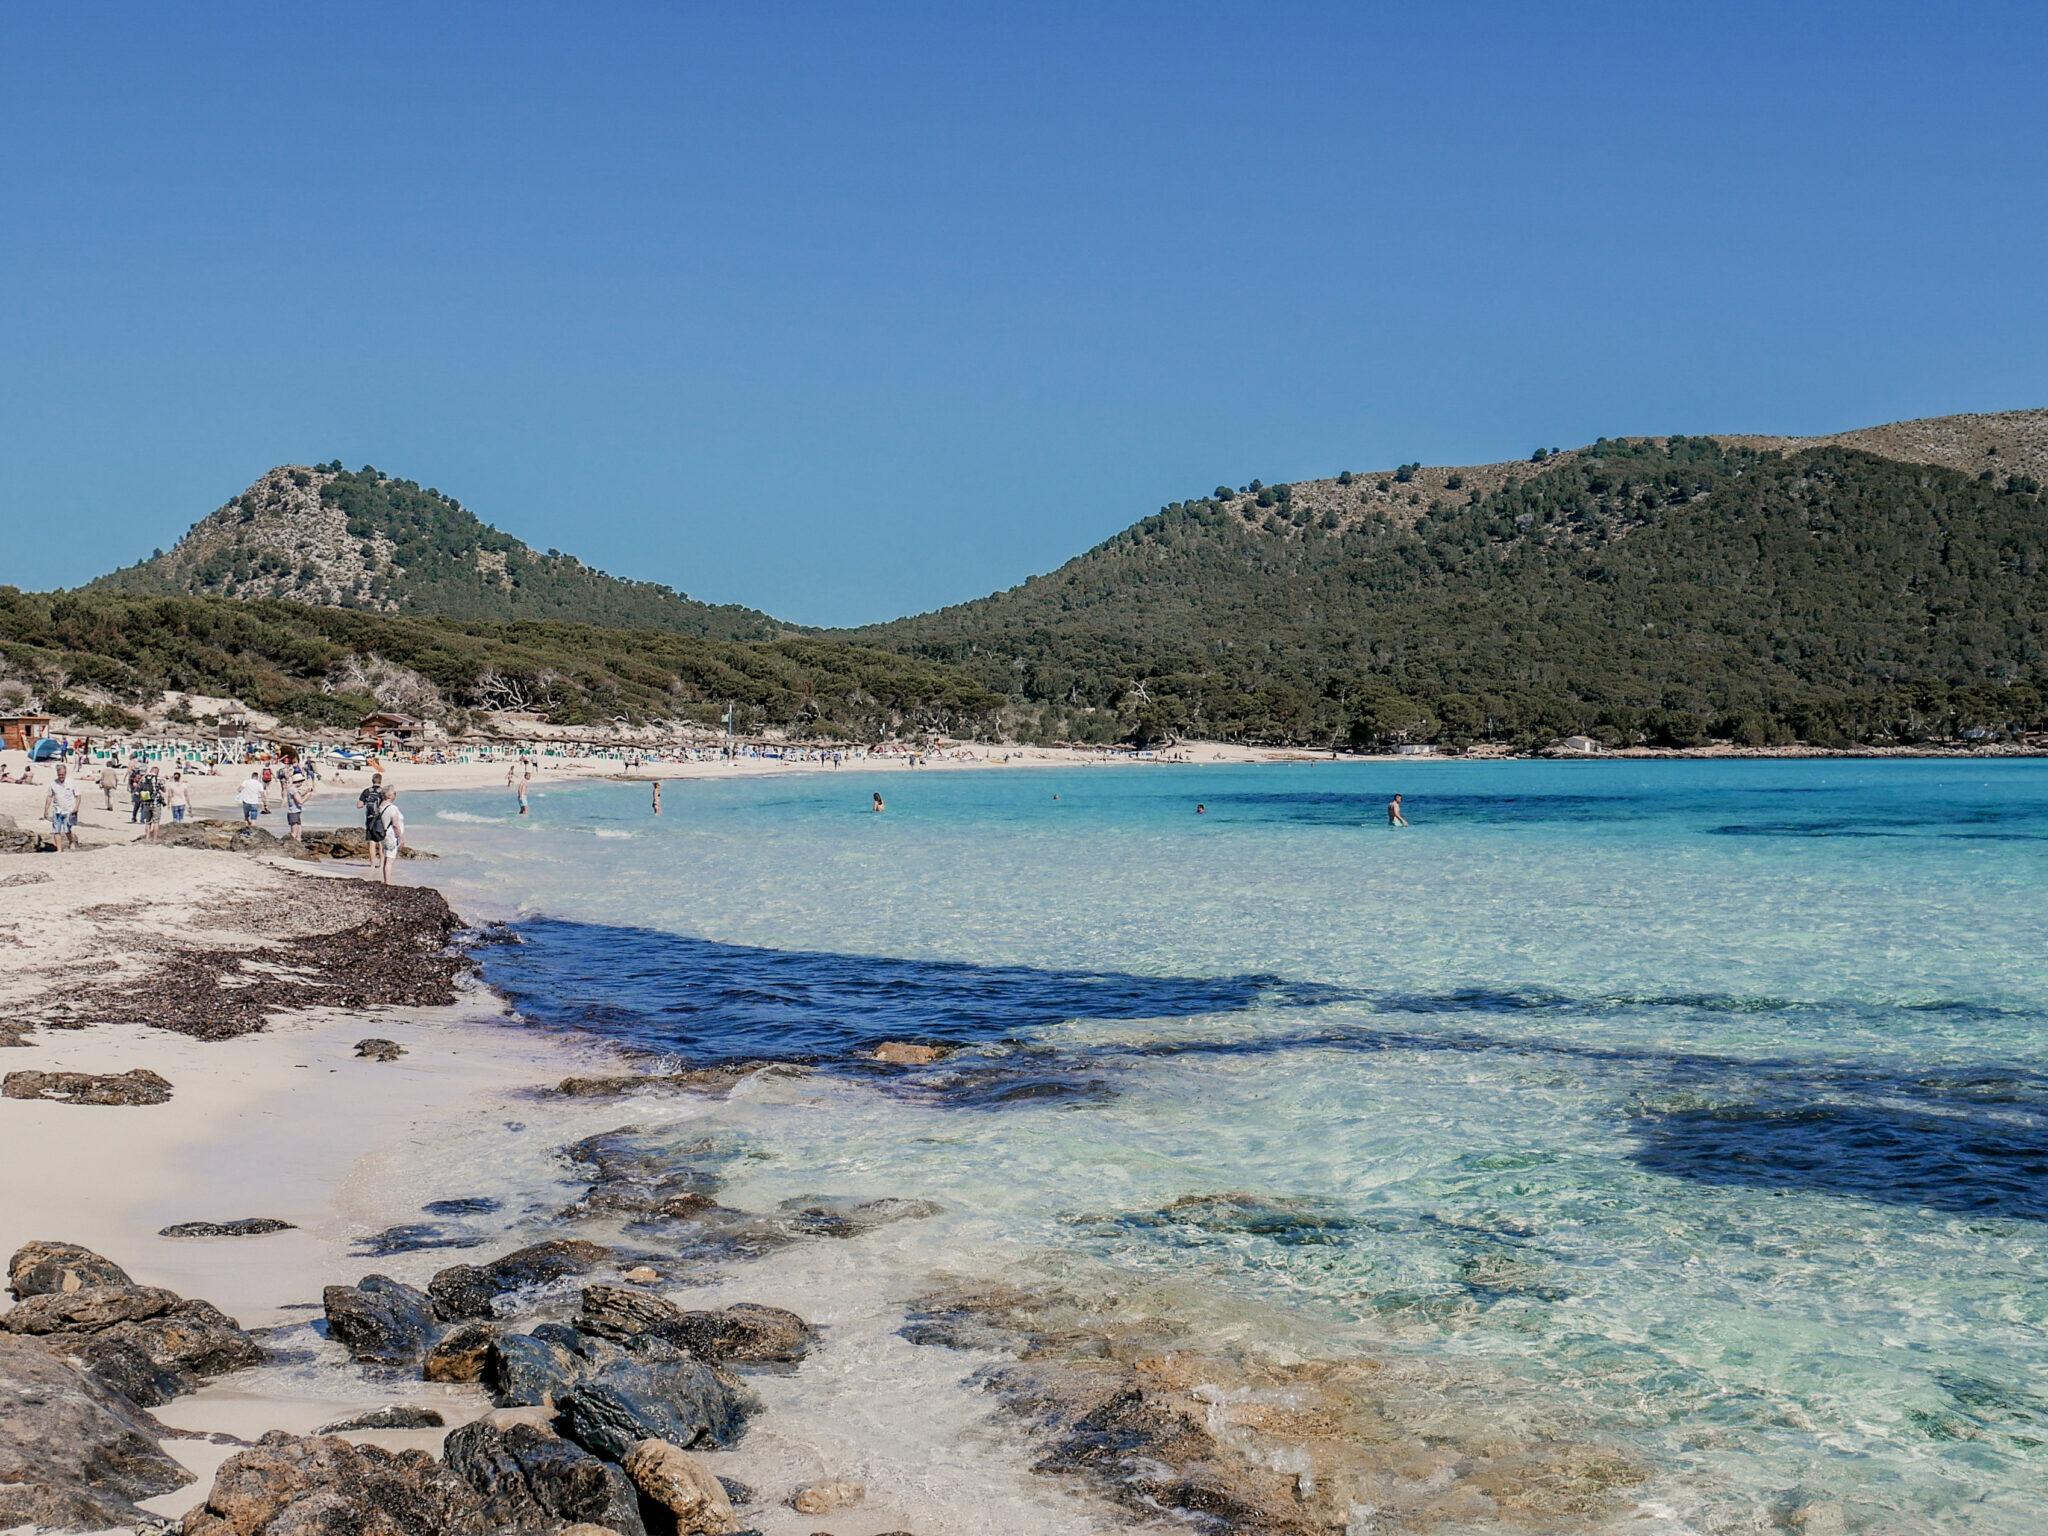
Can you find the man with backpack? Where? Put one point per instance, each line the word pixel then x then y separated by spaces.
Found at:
pixel 372 802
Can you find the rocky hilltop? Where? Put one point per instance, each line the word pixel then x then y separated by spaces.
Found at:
pixel 336 538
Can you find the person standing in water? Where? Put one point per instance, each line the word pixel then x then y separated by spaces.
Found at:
pixel 657 797
pixel 522 797
pixel 1394 816
pixel 878 802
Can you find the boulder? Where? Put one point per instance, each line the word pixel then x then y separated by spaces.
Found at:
pixel 142 1341
pixel 682 1485
pixel 39 1268
pixel 73 1455
pixel 140 1086
pixel 381 1320
pixel 743 1331
pixel 191 1343
pixel 686 1403
pixel 468 1290
pixel 397 1416
pixel 624 1312
pixel 527 1477
pixel 828 1216
pixel 88 1310
pixel 462 1353
pixel 292 1485
pixel 522 1370
pixel 379 1050
pixel 247 1226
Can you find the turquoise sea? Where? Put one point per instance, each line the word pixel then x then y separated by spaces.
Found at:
pixel 1703 1105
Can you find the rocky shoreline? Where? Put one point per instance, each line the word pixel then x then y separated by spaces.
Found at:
pixel 589 1392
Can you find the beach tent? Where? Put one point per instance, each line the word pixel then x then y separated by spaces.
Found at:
pixel 48 748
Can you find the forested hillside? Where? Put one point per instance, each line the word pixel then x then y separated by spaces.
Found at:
pixel 1639 590
pixel 100 658
pixel 364 539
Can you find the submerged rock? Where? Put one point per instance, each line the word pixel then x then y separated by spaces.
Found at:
pixel 291 1485
pixel 413 1237
pixel 905 1053
pixel 73 1454
pixel 468 1290
pixel 824 1498
pixel 247 1226
pixel 682 1485
pixel 141 1086
pixel 381 1320
pixel 683 1402
pixel 827 1216
pixel 39 1268
pixel 397 1416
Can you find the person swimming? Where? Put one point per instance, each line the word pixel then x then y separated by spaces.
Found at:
pixel 878 802
pixel 1201 810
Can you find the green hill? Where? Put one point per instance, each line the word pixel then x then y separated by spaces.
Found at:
pixel 106 658
pixel 1647 589
pixel 362 539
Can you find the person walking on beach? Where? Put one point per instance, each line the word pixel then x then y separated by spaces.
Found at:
pixel 60 805
pixel 152 803
pixel 110 780
pixel 251 796
pixel 296 793
pixel 177 797
pixel 134 795
pixel 372 802
pixel 394 833
pixel 1394 816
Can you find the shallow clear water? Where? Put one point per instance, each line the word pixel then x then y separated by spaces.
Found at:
pixel 1708 1101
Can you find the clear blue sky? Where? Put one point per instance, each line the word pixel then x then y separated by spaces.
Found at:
pixel 846 311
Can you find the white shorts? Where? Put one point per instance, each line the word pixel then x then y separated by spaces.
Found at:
pixel 390 843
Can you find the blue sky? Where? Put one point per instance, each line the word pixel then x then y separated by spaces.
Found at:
pixel 846 311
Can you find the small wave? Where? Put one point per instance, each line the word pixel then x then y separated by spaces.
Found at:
pixel 609 832
pixel 465 816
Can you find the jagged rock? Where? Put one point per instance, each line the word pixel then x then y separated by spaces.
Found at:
pixel 40 1268
pixel 738 1492
pixel 73 1455
pixel 397 1416
pixel 683 1402
pixel 381 1320
pixel 314 844
pixel 527 1477
pixel 641 1275
pixel 682 1485
pixel 142 1341
pixel 522 1370
pixel 743 1331
pixel 88 1310
pixel 461 1354
pixel 468 1290
pixel 191 1343
pixel 140 1086
pixel 289 1485
pixel 740 1332
pixel 247 1226
pixel 379 1050
pixel 622 1312
pixel 824 1498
